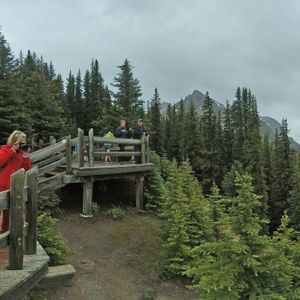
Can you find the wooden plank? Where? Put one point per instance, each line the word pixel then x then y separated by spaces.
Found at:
pixel 81 147
pixel 47 151
pixel 117 154
pixel 91 147
pixel 4 237
pixel 112 169
pixel 87 198
pixel 71 179
pixel 31 211
pixel 139 195
pixel 69 154
pixel 54 181
pixel 143 150
pixel 49 160
pixel 4 200
pixel 98 139
pixel 52 166
pixel 16 284
pixel 16 220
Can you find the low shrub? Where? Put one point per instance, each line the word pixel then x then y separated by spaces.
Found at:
pixel 53 243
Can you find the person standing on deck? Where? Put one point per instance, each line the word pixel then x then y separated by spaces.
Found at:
pixel 13 157
pixel 121 133
pixel 107 147
pixel 137 132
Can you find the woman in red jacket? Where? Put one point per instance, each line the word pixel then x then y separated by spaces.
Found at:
pixel 12 159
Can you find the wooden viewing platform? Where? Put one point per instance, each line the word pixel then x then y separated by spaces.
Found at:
pixel 23 262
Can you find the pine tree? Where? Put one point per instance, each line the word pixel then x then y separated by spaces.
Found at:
pixel 40 99
pixel 192 139
pixel 167 130
pixel 70 103
pixel 155 190
pixel 238 127
pixel 208 167
pixel 244 264
pixel 78 102
pixel 294 198
pixel 128 103
pixel 228 138
pixel 282 183
pixel 175 233
pixel 155 120
pixel 12 113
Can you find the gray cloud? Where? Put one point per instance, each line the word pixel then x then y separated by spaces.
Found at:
pixel 176 46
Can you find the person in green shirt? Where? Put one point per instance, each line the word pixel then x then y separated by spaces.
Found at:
pixel 107 147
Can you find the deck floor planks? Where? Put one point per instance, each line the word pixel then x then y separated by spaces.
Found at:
pixel 18 282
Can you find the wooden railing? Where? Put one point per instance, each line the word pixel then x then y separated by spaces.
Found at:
pixel 90 141
pixel 21 200
pixel 51 157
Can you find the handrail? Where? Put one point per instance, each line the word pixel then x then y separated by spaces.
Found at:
pixel 98 139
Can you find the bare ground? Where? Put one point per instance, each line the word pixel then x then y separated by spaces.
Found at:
pixel 115 260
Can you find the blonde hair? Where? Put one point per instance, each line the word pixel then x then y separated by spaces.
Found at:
pixel 15 136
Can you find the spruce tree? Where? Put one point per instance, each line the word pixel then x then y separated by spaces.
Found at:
pixel 12 113
pixel 208 167
pixel 127 101
pixel 244 264
pixel 40 100
pixel 282 182
pixel 228 136
pixel 156 126
pixel 192 139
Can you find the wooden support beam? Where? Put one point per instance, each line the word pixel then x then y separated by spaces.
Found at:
pixel 81 147
pixel 68 155
pixel 16 217
pixel 87 198
pixel 91 147
pixel 143 150
pixel 139 194
pixel 31 211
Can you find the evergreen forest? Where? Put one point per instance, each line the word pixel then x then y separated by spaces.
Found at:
pixel 228 198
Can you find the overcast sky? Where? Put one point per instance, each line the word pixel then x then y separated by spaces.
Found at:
pixel 177 46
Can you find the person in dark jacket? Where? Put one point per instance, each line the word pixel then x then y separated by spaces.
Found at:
pixel 137 132
pixel 121 133
pixel 12 159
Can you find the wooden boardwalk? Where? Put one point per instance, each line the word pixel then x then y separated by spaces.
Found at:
pixel 16 283
pixel 65 162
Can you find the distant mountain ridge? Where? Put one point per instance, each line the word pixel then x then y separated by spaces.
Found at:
pixel 268 124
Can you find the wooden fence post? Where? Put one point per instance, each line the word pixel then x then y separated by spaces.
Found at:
pixel 80 148
pixel 148 150
pixel 31 211
pixel 139 194
pixel 68 155
pixel 16 208
pixel 143 150
pixel 91 147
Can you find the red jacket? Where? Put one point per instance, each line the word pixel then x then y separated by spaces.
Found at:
pixel 10 162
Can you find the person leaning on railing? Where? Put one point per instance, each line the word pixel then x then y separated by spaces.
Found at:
pixel 137 132
pixel 121 133
pixel 13 157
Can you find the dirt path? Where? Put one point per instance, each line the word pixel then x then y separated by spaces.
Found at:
pixel 115 260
